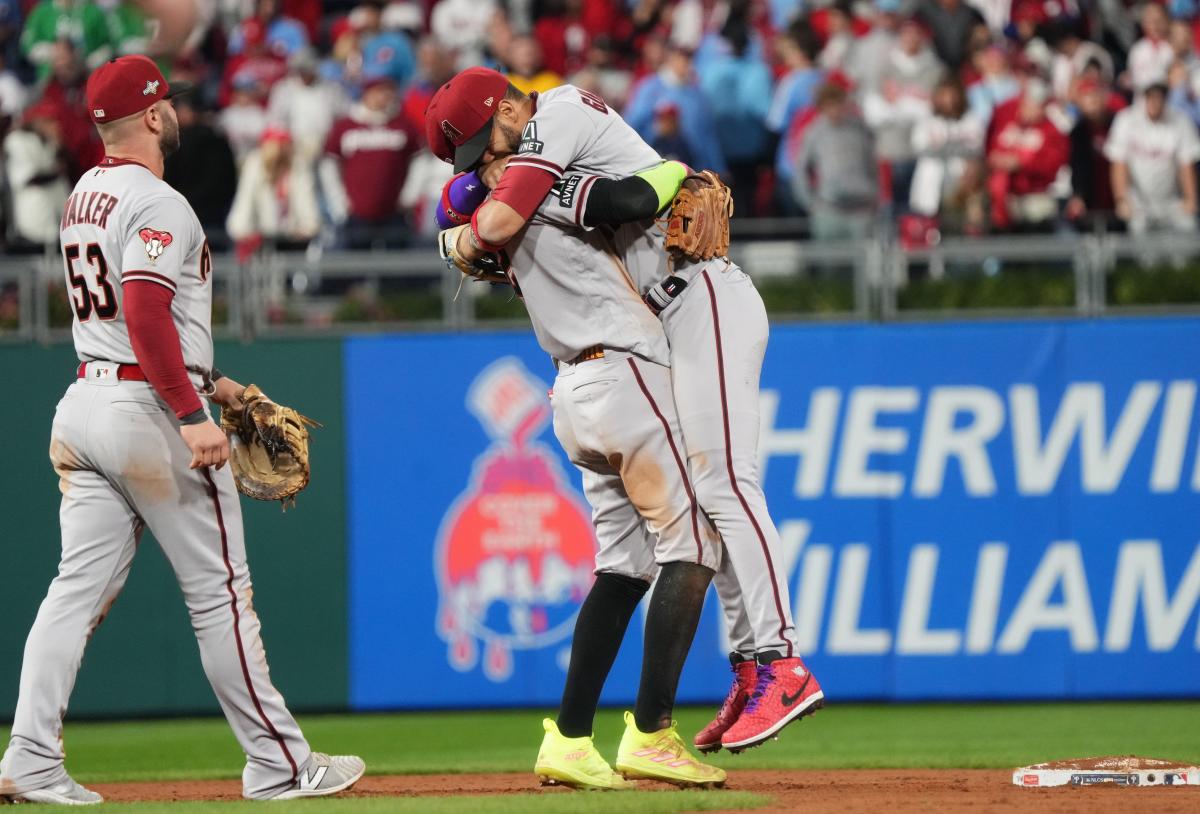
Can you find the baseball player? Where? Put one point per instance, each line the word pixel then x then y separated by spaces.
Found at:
pixel 614 416
pixel 715 367
pixel 716 363
pixel 135 448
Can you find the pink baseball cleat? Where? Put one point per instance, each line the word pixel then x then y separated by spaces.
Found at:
pixel 784 691
pixel 744 677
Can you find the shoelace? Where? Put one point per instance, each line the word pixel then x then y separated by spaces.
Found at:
pixel 731 698
pixel 764 676
pixel 671 743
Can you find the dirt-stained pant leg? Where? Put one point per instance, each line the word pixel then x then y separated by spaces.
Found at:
pixel 718 333
pixel 99 538
pixel 615 417
pixel 196 517
pixel 121 457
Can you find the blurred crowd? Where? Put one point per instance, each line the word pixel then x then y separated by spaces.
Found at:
pixel 922 117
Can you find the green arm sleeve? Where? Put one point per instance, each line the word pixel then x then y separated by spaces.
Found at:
pixel 666 178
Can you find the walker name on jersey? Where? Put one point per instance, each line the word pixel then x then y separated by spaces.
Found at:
pixel 88 207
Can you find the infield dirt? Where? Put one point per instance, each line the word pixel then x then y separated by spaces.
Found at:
pixel 980 790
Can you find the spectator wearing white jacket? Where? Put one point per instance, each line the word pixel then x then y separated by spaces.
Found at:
pixel 900 100
pixel 276 196
pixel 1150 57
pixel 463 26
pixel 948 143
pixel 1153 150
pixel 36 175
pixel 306 105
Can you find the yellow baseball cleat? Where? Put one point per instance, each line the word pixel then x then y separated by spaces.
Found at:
pixel 574 762
pixel 663 756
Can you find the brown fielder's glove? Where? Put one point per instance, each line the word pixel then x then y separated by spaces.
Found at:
pixel 487 268
pixel 698 225
pixel 268 447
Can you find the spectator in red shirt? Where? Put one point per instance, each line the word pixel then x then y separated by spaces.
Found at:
pixel 64 95
pixel 256 63
pixel 1025 152
pixel 370 151
pixel 563 34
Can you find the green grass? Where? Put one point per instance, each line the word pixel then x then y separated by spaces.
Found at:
pixel 641 802
pixel 997 736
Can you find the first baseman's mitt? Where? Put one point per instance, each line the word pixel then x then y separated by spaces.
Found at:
pixel 698 226
pixel 487 268
pixel 268 447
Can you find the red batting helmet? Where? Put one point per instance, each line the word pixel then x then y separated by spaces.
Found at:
pixel 458 120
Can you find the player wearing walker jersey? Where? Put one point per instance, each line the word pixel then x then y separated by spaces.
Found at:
pixel 135 449
pixel 560 149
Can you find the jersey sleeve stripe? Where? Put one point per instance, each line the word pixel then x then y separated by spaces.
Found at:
pixel 583 193
pixel 147 276
pixel 540 163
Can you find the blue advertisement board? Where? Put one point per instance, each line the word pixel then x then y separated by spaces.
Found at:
pixel 987 510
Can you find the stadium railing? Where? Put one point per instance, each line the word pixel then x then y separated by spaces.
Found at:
pixel 316 292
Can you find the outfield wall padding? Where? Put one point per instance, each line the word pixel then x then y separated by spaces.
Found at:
pixel 968 511
pixel 143 660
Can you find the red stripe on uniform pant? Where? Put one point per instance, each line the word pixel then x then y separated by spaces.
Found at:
pixel 237 629
pixel 687 484
pixel 762 539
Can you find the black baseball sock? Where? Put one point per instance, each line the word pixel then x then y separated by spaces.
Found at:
pixel 598 633
pixel 670 627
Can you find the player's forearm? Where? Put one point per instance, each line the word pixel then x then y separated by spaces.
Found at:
pixel 494 224
pixel 639 197
pixel 155 342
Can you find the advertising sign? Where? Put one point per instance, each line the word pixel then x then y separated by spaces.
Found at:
pixel 989 510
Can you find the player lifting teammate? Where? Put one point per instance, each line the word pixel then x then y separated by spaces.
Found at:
pixel 716 362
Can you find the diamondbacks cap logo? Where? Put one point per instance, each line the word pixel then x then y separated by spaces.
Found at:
pixel 156 242
pixel 516 551
pixel 151 87
pixel 450 131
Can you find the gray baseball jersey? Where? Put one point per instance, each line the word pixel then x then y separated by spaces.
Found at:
pixel 124 223
pixel 574 283
pixel 123 466
pixel 717 330
pixel 614 415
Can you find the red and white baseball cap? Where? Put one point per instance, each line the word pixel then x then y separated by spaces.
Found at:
pixel 127 85
pixel 458 120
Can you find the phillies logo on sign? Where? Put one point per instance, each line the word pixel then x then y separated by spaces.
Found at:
pixel 515 552
pixel 155 241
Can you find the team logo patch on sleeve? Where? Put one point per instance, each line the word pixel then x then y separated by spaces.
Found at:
pixel 155 241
